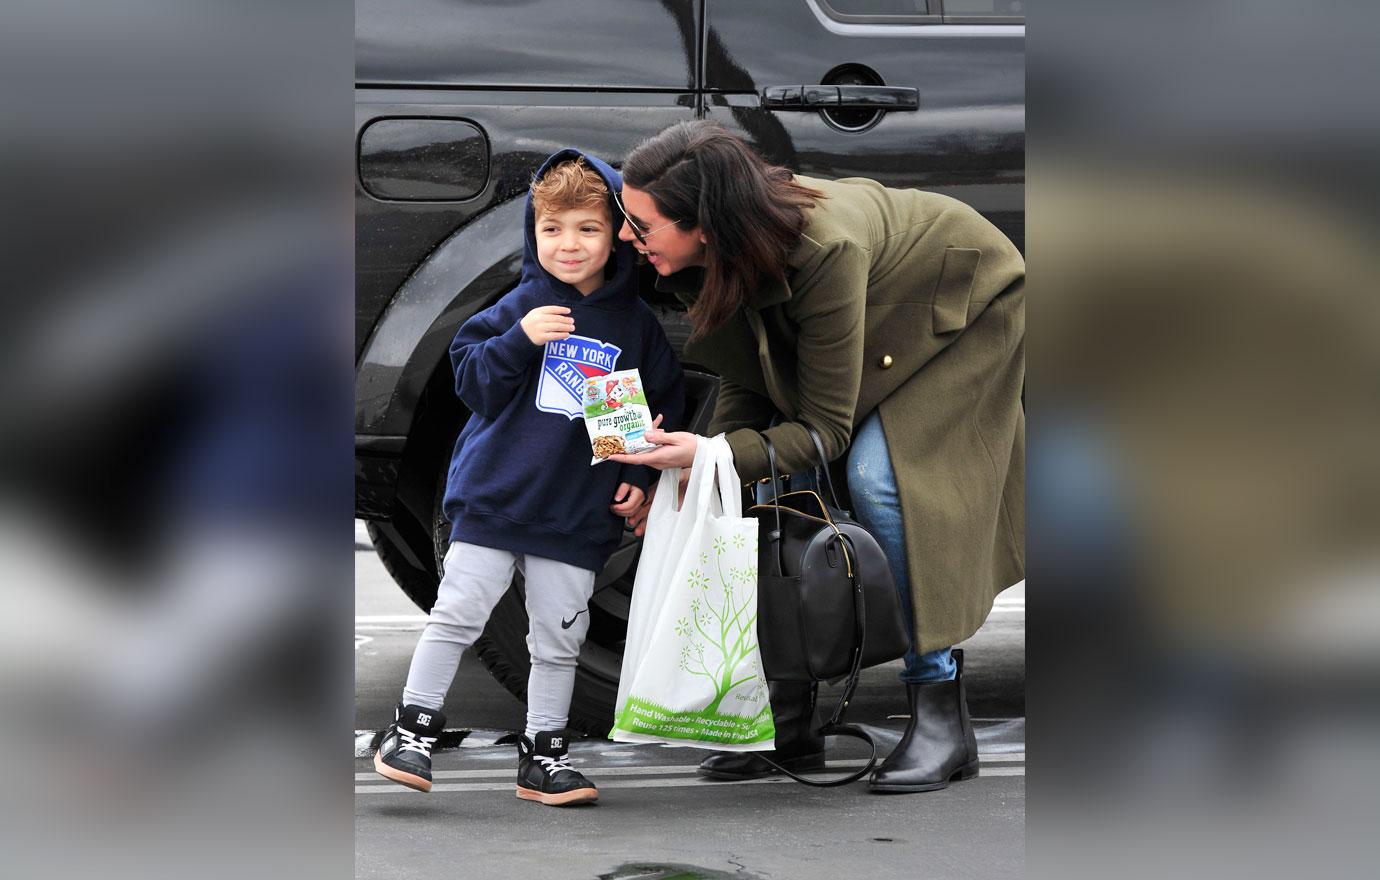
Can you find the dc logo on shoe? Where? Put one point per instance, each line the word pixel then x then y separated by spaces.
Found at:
pixel 557 742
pixel 423 719
pixel 566 364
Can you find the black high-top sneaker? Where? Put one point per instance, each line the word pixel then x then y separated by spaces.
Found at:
pixel 545 774
pixel 404 754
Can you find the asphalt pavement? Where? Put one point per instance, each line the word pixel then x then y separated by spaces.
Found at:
pixel 655 817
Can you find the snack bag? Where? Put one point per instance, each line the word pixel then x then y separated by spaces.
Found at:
pixel 617 415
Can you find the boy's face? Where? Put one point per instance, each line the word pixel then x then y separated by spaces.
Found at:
pixel 574 245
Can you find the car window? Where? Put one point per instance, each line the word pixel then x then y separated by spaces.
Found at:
pixel 844 10
pixel 629 44
pixel 984 8
pixel 857 12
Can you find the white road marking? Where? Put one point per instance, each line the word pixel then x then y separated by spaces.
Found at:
pixel 390 622
pixel 996 736
pixel 666 770
pixel 361 640
pixel 392 788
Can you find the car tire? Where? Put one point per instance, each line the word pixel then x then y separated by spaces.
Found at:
pixel 419 586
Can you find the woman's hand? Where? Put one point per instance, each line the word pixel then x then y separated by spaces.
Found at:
pixel 677 449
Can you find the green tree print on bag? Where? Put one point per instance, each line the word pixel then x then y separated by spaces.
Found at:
pixel 721 634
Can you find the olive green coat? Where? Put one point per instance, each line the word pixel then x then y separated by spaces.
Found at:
pixel 910 303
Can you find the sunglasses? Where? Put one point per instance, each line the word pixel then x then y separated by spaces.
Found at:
pixel 638 231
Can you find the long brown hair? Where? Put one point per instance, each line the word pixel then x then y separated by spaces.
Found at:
pixel 751 213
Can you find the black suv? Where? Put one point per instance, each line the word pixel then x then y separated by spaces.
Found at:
pixel 458 103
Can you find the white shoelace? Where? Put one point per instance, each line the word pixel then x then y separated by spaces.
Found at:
pixel 411 742
pixel 554 765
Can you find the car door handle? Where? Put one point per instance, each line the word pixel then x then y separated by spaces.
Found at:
pixel 848 97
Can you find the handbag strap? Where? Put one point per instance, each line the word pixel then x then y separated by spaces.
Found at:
pixel 850 730
pixel 860 634
pixel 774 536
pixel 824 479
pixel 835 723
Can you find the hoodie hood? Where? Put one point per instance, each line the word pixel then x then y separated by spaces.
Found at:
pixel 618 290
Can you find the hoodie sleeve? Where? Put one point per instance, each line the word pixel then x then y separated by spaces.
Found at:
pixel 665 383
pixel 491 355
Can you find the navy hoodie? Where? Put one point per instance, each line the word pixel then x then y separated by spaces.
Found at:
pixel 520 477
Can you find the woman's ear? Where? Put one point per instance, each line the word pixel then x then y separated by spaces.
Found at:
pixel 703 240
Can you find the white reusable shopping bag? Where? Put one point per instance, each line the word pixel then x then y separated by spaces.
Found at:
pixel 692 674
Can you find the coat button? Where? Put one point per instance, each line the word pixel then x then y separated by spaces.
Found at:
pixel 886 362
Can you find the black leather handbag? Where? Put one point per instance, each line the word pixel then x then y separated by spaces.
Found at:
pixel 827 603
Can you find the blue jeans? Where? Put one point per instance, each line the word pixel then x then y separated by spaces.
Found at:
pixel 877 506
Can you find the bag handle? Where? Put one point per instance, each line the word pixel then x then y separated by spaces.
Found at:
pixel 730 494
pixel 823 470
pixel 825 481
pixel 668 487
pixel 699 488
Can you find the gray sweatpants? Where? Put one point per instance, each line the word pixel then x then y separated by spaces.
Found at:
pixel 475 578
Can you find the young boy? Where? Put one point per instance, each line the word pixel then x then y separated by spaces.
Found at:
pixel 521 493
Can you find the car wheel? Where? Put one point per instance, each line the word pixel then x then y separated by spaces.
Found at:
pixel 419 585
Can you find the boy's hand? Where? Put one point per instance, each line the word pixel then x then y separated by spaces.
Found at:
pixel 546 323
pixel 629 498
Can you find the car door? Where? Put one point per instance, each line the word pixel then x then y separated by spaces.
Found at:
pixel 912 93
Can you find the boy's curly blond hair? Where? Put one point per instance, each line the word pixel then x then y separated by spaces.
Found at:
pixel 568 185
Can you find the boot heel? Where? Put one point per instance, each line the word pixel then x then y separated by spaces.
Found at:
pixel 967 771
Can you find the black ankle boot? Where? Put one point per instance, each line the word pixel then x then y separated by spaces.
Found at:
pixel 799 744
pixel 938 746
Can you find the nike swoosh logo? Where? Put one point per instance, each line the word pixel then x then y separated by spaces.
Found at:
pixel 567 624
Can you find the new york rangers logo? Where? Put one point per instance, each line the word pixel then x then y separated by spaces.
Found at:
pixel 566 364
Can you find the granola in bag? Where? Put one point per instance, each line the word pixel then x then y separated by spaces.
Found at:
pixel 617 415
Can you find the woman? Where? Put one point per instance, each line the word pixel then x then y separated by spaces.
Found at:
pixel 893 322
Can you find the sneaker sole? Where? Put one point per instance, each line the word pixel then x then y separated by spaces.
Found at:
pixel 563 799
pixel 402 777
